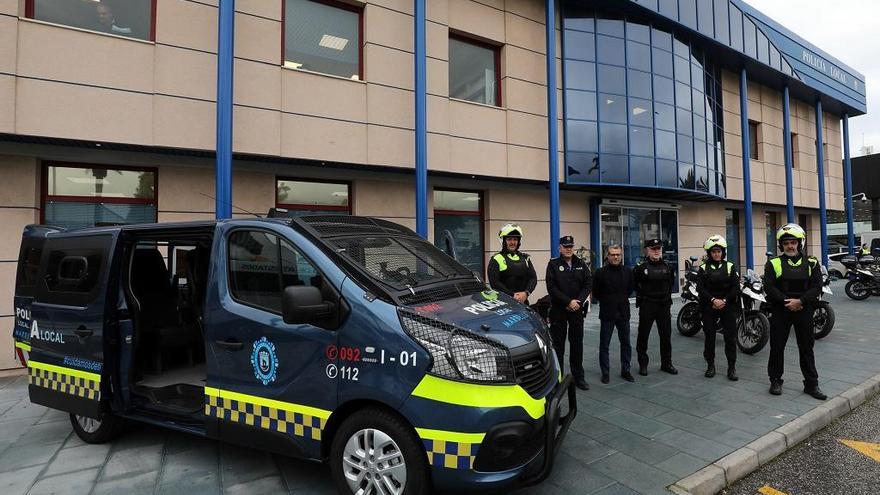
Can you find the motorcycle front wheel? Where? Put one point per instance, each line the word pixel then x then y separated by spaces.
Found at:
pixel 753 333
pixel 856 289
pixel 823 320
pixel 688 321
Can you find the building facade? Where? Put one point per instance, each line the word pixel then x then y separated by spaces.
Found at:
pixel 673 118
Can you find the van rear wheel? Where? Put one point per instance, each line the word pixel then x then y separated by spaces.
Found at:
pixel 92 430
pixel 375 452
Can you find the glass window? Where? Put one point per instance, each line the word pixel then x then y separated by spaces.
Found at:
pixel 753 140
pixel 612 79
pixel 78 197
pixel 587 24
pixel 580 105
pixel 28 267
pixel 669 8
pixel 702 179
pixel 638 32
pixel 649 4
pixel 580 46
pixel 731 221
pixel 641 141
pixel 640 112
pixel 580 75
pixel 614 169
pixel 667 173
pixel 306 197
pixel 700 153
pixel 736 28
pixel 661 39
pixel 770 226
pixel 775 61
pixel 699 127
pixel 609 50
pixel 683 95
pixel 641 170
pixel 73 270
pixel 582 167
pixel 698 77
pixel 638 56
pixel 613 27
pixel 763 48
pixel 662 62
pixel 638 83
pixel 705 18
pixel 664 91
pixel 680 48
pixel 129 18
pixel 612 138
pixel 581 136
pixel 686 178
pixel 473 74
pixel 323 38
pixel 665 144
pixel 699 103
pixel 750 38
pixel 664 116
pixel 458 226
pixel 683 122
pixel 687 13
pixel 682 70
pixel 612 108
pixel 722 25
pixel 685 149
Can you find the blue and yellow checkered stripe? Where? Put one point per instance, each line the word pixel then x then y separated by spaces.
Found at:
pixel 449 449
pixel 65 380
pixel 283 417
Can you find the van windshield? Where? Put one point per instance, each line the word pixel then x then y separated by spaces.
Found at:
pixel 400 262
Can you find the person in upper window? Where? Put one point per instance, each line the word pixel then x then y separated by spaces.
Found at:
pixel 510 271
pixel 108 21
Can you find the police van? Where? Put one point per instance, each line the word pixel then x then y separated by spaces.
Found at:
pixel 344 339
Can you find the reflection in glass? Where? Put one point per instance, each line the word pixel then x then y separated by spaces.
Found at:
pixel 613 27
pixel 642 170
pixel 662 62
pixel 667 173
pixel 582 167
pixel 638 32
pixel 612 79
pixel 664 90
pixel 609 49
pixel 580 75
pixel 638 83
pixel 304 194
pixel 100 182
pixel 612 108
pixel 612 139
pixel 687 13
pixel 323 38
pixel 581 45
pixel 129 18
pixel 640 112
pixel 705 18
pixel 472 74
pixel 581 136
pixel 614 169
pixel 638 56
pixel 580 105
pixel 736 28
pixel 722 26
pixel 641 141
pixel 664 116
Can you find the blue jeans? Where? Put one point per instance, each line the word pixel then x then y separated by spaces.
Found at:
pixel 605 330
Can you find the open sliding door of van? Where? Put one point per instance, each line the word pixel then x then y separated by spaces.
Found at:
pixel 71 300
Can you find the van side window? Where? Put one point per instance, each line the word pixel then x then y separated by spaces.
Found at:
pixel 73 269
pixel 28 266
pixel 261 265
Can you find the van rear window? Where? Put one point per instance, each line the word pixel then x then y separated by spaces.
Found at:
pixel 72 270
pixel 28 266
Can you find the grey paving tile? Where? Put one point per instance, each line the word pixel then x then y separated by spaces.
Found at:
pixel 638 447
pixel 206 483
pixel 48 433
pixel 136 484
pixel 123 463
pixel 575 477
pixel 23 454
pixel 77 459
pixel 634 474
pixel 194 462
pixel 18 482
pixel 14 429
pixel 263 486
pixel 73 483
pixel 697 446
pixel 681 465
pixel 305 477
pixel 584 448
pixel 240 466
pixel 591 426
pixel 693 424
pixel 637 424
pixel 641 407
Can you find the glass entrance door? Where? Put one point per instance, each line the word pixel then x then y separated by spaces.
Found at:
pixel 630 227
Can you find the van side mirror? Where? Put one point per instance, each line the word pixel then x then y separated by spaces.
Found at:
pixel 305 304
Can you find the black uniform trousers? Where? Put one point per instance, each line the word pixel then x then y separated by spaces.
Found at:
pixel 728 323
pixel 781 321
pixel 649 313
pixel 573 321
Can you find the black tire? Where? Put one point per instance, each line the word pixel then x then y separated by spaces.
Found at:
pixel 101 430
pixel 855 289
pixel 418 480
pixel 753 336
pixel 823 320
pixel 689 319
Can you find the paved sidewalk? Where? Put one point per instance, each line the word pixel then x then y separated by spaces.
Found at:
pixel 627 438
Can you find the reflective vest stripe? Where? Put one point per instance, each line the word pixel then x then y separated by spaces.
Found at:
pixel 502 261
pixel 777 265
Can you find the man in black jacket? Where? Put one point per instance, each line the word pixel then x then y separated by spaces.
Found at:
pixel 718 289
pixel 612 285
pixel 793 282
pixel 654 280
pixel 568 283
pixel 510 271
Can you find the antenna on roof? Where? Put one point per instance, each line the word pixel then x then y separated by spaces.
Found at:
pixel 232 205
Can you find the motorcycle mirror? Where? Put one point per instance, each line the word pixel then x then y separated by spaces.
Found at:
pixel 694 258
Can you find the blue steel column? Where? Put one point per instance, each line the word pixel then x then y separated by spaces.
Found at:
pixel 421 123
pixel 847 187
pixel 747 172
pixel 552 138
pixel 223 173
pixel 789 164
pixel 820 164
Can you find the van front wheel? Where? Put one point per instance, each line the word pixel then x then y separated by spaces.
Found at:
pixel 374 451
pixel 92 430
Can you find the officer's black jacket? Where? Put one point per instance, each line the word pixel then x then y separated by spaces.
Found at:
pixel 654 281
pixel 518 276
pixel 715 281
pixel 612 286
pixel 565 284
pixel 801 279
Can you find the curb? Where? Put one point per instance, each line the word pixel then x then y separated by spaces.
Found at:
pixel 742 462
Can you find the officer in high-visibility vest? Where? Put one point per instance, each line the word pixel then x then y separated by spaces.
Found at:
pixel 865 250
pixel 793 283
pixel 718 288
pixel 511 271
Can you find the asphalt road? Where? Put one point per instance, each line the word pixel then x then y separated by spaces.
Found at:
pixel 823 464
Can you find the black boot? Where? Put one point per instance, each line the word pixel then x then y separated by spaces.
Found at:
pixel 605 378
pixel 815 392
pixel 643 370
pixel 581 383
pixel 669 368
pixel 710 371
pixel 731 373
pixel 776 387
pixel 626 375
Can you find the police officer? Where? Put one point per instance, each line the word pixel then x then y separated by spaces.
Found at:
pixel 793 283
pixel 718 289
pixel 511 271
pixel 568 281
pixel 654 280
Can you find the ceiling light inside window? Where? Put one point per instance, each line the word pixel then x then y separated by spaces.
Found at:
pixel 334 42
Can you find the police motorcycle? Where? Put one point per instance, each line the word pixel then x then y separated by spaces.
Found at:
pixel 823 315
pixel 752 335
pixel 863 281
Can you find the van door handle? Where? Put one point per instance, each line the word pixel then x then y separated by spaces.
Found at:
pixel 83 332
pixel 230 345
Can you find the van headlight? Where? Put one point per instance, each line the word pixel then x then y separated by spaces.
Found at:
pixel 459 354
